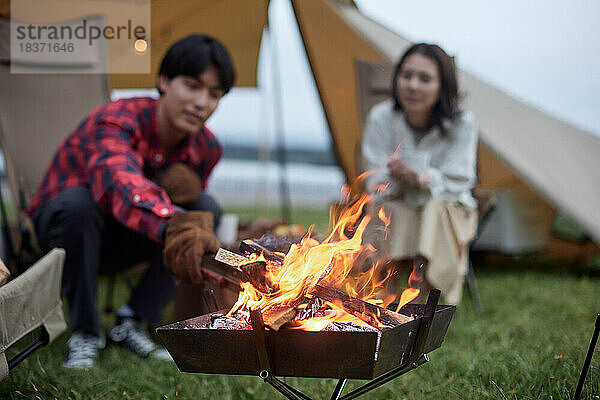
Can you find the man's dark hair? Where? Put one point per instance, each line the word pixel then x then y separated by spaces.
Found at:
pixel 193 54
pixel 447 105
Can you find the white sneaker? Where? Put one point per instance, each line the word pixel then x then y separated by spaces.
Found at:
pixel 129 333
pixel 83 350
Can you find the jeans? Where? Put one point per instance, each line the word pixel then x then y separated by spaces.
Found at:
pixel 96 243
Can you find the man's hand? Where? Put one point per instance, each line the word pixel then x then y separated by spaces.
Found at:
pixel 189 235
pixel 405 175
pixel 181 183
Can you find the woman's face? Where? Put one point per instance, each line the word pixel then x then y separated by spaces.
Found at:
pixel 418 84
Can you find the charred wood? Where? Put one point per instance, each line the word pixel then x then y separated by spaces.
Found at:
pixel 337 326
pixel 258 275
pixel 251 247
pixel 280 244
pixel 365 311
pixel 311 310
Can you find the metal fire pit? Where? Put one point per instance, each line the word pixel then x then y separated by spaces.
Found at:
pixel 293 352
pixel 381 356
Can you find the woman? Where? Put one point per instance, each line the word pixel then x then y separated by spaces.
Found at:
pixel 421 147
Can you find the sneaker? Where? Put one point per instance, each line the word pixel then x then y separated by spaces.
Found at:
pixel 83 350
pixel 129 333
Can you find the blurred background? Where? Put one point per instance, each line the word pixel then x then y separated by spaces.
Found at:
pixel 291 127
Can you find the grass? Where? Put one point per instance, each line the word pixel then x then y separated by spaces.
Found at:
pixel 530 344
pixel 305 216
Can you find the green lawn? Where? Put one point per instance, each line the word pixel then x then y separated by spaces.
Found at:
pixel 530 344
pixel 304 216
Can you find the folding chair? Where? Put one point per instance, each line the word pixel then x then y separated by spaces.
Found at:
pixel 486 204
pixel 374 87
pixel 28 302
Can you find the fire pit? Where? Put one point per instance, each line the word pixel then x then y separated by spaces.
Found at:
pixel 292 317
pixel 196 347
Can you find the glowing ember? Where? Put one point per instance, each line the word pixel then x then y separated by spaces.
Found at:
pixel 291 284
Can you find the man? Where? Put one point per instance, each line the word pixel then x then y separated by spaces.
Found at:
pixel 118 191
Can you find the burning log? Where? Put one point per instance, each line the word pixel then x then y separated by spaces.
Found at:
pixel 280 244
pixel 276 317
pixel 230 258
pixel 362 309
pixel 258 275
pixel 250 246
pixel 311 309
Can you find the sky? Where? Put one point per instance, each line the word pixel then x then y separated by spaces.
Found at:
pixel 544 53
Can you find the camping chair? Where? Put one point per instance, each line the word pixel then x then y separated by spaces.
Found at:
pixel 486 204
pixel 37 111
pixel 29 302
pixel 374 87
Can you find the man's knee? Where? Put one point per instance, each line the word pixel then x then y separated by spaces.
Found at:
pixel 72 211
pixel 205 202
pixel 78 207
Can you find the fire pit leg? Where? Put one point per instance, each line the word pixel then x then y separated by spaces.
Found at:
pixel 283 387
pixel 266 373
pixel 416 359
pixel 338 389
pixel 588 359
pixel 258 327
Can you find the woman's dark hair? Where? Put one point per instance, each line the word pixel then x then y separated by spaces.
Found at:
pixel 193 54
pixel 447 105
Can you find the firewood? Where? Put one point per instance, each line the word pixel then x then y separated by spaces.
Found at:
pixel 221 273
pixel 362 309
pixel 257 274
pixel 230 258
pixel 250 246
pixel 277 316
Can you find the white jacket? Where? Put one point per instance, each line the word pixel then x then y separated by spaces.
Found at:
pixel 453 158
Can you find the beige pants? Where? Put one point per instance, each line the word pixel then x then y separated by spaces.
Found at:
pixel 440 231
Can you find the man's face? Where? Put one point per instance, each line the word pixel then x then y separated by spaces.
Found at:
pixel 189 101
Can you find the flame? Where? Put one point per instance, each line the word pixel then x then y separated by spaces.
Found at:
pixel 382 187
pixel 328 263
pixel 337 313
pixel 412 292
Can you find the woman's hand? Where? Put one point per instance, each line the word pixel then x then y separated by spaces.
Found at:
pixel 406 176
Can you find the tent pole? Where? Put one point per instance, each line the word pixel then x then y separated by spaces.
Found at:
pixel 264 148
pixel 279 128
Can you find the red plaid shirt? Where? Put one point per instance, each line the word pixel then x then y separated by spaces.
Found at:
pixel 116 152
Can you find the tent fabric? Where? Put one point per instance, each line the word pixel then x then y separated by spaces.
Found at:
pixel 29 142
pixel 238 24
pixel 556 159
pixel 332 45
pixel 32 300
